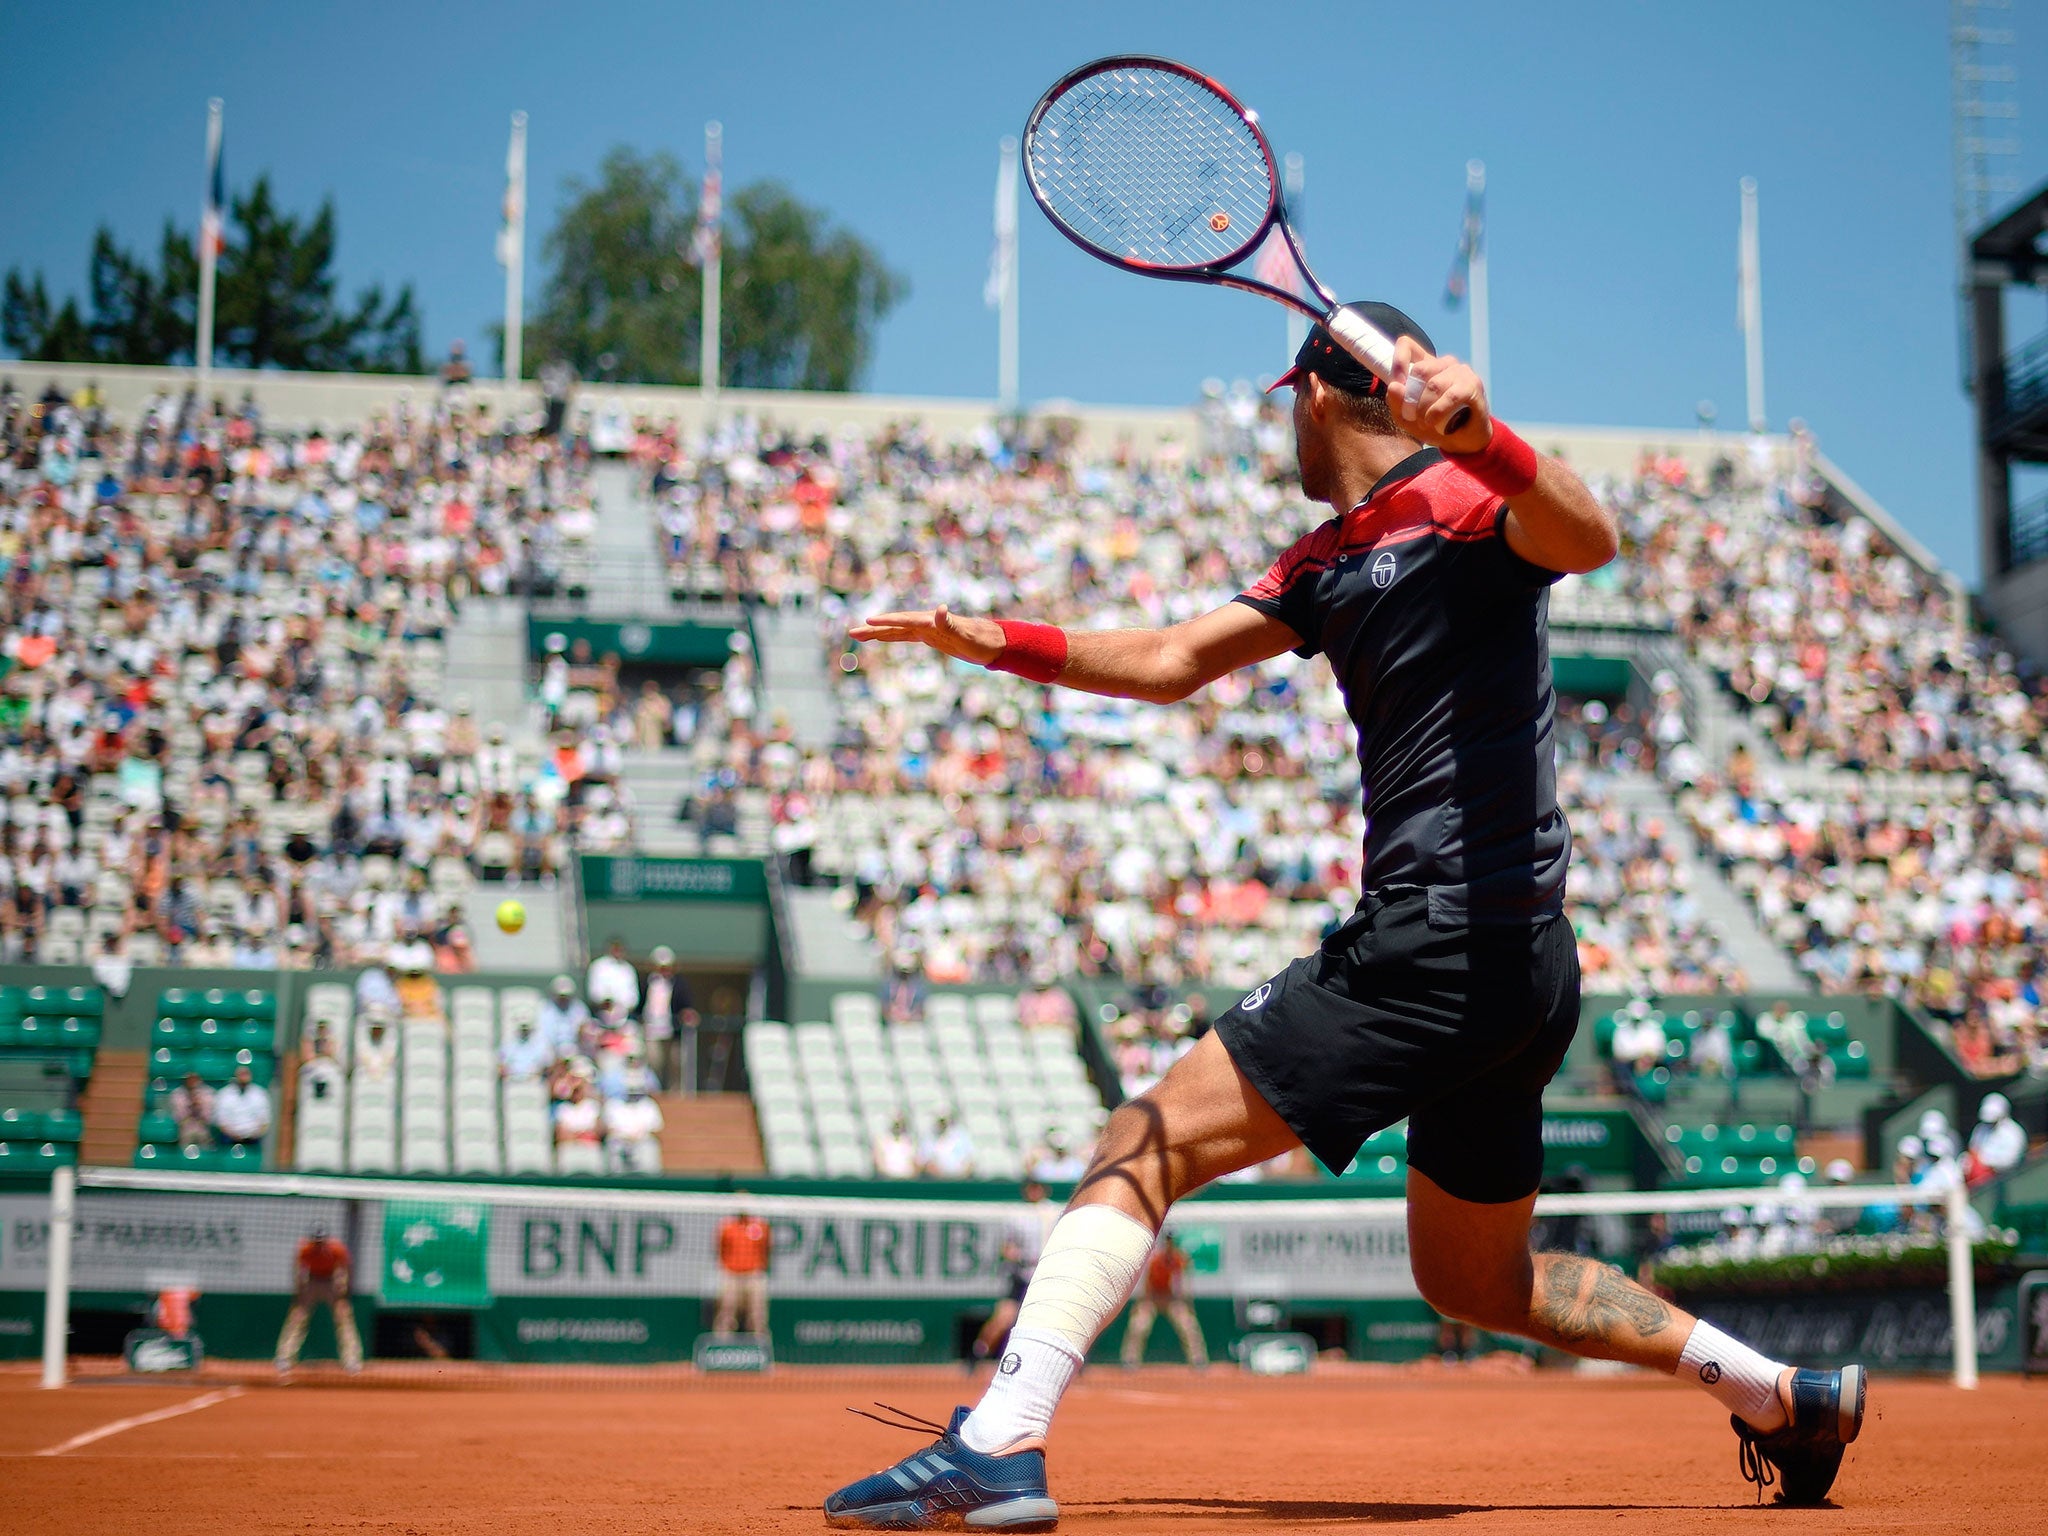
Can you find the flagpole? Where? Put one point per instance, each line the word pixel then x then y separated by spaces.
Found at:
pixel 209 245
pixel 1482 340
pixel 713 255
pixel 1291 181
pixel 1006 259
pixel 1752 290
pixel 513 253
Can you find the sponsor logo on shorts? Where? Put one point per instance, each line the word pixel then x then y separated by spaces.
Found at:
pixel 1254 1001
pixel 1710 1372
pixel 1383 569
pixel 1012 1363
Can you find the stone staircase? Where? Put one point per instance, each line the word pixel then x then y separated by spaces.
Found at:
pixel 1724 911
pixel 796 684
pixel 112 1108
pixel 710 1133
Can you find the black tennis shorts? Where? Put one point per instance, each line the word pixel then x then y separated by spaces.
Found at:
pixel 1457 1026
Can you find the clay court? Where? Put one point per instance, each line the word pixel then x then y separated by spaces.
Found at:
pixel 1156 1452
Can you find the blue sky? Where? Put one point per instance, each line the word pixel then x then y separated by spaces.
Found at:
pixel 1614 136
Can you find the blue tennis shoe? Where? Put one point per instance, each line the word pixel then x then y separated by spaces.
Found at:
pixel 948 1486
pixel 1827 1415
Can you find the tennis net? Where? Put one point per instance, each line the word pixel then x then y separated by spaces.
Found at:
pixel 463 1283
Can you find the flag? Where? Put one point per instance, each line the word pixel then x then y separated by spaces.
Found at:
pixel 1275 265
pixel 213 218
pixel 1003 255
pixel 704 244
pixel 515 195
pixel 1470 235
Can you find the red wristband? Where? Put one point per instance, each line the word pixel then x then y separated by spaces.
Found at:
pixel 1506 466
pixel 1034 651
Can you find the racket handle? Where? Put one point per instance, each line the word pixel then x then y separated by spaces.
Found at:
pixel 1362 339
pixel 1374 348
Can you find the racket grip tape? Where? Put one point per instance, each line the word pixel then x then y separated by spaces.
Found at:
pixel 1372 347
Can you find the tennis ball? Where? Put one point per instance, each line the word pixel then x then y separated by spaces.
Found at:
pixel 511 916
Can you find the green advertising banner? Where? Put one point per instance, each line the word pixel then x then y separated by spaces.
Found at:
pixel 675 645
pixel 436 1255
pixel 649 879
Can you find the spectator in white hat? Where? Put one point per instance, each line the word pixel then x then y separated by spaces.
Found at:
pixel 1997 1144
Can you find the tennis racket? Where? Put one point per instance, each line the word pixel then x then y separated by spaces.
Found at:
pixel 1157 169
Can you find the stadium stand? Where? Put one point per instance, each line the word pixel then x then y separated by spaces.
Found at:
pixel 48 1040
pixel 467 1080
pixel 970 1088
pixel 292 784
pixel 230 742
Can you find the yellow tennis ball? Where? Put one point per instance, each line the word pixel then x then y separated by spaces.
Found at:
pixel 511 916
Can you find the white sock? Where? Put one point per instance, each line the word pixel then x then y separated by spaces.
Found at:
pixel 1740 1379
pixel 1035 1371
pixel 1091 1262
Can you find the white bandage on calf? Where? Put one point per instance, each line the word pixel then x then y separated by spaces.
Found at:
pixel 1088 1270
pixel 1740 1380
pixel 1090 1265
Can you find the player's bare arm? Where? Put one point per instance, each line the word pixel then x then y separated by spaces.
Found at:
pixel 1160 666
pixel 1556 523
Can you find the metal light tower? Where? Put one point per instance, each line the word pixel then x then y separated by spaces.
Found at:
pixel 1984 114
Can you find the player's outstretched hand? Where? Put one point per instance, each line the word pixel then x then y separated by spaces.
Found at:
pixel 1427 392
pixel 977 640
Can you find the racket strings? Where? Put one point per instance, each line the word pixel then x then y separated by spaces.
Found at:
pixel 1146 164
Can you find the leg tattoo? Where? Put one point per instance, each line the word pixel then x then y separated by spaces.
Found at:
pixel 1580 1301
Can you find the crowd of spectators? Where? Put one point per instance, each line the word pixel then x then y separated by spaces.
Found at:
pixel 1918 869
pixel 224 738
pixel 987 829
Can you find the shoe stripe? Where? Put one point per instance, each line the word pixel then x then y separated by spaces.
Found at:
pixel 941 1464
pixel 897 1473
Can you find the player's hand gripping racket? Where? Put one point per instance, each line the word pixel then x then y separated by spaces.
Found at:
pixel 1159 170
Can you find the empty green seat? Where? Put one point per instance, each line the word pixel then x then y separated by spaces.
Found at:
pixel 177 1003
pixel 65 1031
pixel 88 1002
pixel 218 1003
pixel 31 1156
pixel 1852 1061
pixel 159 1129
pixel 231 1159
pixel 21 1124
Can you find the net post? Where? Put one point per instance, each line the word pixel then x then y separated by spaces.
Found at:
pixel 57 1277
pixel 1962 1286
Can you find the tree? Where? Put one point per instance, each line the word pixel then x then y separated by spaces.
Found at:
pixel 802 299
pixel 275 302
pixel 618 298
pixel 623 298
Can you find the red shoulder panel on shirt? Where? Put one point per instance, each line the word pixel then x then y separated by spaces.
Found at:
pixel 1441 500
pixel 1311 554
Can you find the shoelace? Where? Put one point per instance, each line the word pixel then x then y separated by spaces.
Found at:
pixel 915 1426
pixel 1749 1456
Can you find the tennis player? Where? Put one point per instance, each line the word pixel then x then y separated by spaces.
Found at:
pixel 1449 996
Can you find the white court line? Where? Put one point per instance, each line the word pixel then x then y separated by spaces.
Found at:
pixel 191 1405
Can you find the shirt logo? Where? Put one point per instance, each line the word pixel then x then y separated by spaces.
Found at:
pixel 1257 1000
pixel 1383 569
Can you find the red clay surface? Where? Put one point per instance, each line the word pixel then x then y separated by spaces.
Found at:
pixel 1469 1450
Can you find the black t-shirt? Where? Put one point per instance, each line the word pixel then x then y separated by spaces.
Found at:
pixel 1440 638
